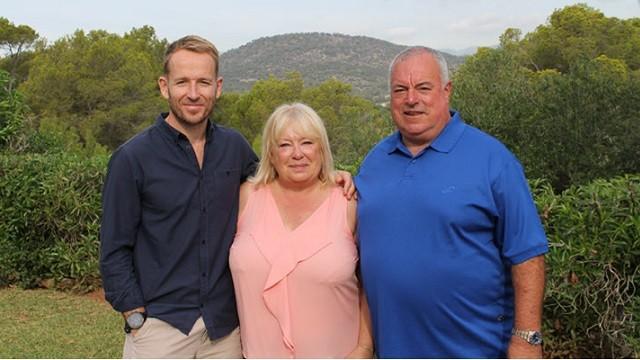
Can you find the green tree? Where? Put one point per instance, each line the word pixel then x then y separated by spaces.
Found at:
pixel 99 86
pixel 580 32
pixel 12 109
pixel 570 118
pixel 15 41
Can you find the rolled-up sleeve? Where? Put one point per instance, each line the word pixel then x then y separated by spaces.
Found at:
pixel 120 221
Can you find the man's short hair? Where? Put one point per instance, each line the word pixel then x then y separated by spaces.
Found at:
pixel 192 43
pixel 416 50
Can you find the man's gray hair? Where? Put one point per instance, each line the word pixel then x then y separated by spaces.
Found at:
pixel 416 50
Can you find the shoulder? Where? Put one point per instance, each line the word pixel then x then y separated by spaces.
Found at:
pixel 140 142
pixel 246 189
pixel 385 146
pixel 229 134
pixel 483 148
pixel 231 139
pixel 490 144
pixel 136 146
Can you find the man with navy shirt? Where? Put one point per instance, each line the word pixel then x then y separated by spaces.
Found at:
pixel 170 204
pixel 451 244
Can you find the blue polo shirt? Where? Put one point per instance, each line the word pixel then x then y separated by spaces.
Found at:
pixel 438 234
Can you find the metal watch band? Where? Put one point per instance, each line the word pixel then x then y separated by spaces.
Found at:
pixel 533 337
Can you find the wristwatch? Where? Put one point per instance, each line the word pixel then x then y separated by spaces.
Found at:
pixel 533 337
pixel 134 321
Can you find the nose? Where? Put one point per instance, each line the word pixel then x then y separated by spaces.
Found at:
pixel 297 152
pixel 411 97
pixel 192 92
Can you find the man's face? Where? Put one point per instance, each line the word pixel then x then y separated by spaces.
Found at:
pixel 419 100
pixel 191 87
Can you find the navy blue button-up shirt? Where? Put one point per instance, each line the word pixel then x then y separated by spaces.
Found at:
pixel 167 226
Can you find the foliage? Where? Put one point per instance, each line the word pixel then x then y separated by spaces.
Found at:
pixel 569 123
pixel 99 86
pixel 579 32
pixel 49 219
pixel 12 109
pixel 354 125
pixel 48 325
pixel 15 41
pixel 593 268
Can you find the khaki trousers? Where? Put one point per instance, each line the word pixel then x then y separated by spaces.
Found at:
pixel 157 339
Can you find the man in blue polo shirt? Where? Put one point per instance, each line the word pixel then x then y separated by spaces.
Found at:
pixel 451 244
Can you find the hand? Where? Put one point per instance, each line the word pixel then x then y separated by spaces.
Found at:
pixel 361 352
pixel 519 348
pixel 127 313
pixel 345 179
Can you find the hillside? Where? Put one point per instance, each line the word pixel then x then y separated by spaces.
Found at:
pixel 358 60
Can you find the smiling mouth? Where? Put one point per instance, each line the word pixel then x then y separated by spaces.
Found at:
pixel 413 113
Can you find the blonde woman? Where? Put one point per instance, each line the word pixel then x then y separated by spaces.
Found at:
pixel 294 257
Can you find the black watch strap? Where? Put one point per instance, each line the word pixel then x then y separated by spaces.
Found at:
pixel 128 328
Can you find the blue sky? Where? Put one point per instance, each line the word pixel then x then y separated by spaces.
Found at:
pixel 442 24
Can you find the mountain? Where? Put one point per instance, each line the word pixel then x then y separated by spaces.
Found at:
pixel 360 61
pixel 461 52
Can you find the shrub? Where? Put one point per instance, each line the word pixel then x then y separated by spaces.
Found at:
pixel 49 219
pixel 593 268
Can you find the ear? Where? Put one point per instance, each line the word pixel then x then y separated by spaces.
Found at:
pixel 218 87
pixel 448 89
pixel 163 84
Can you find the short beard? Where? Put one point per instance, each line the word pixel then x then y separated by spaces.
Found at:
pixel 179 116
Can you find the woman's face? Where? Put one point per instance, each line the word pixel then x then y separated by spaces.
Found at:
pixel 297 158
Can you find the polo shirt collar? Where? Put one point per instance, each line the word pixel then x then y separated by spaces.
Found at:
pixel 444 142
pixel 448 138
pixel 176 135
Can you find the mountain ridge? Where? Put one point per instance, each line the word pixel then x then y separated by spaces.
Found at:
pixel 358 60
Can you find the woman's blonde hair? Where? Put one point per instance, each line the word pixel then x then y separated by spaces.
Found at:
pixel 307 123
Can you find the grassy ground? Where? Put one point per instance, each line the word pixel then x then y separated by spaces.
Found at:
pixel 50 324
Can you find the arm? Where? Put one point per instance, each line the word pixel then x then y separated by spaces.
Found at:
pixel 245 189
pixel 364 349
pixel 528 285
pixel 119 224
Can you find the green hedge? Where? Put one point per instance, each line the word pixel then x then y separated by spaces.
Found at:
pixel 592 308
pixel 49 220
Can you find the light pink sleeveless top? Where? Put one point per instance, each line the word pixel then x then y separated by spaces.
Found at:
pixel 296 291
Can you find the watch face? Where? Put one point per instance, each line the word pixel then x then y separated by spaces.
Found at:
pixel 135 320
pixel 535 338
